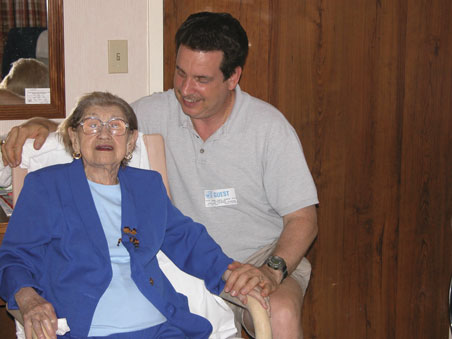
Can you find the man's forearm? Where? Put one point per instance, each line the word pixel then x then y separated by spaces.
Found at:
pixel 51 125
pixel 300 230
pixel 35 128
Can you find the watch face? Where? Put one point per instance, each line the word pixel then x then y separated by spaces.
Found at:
pixel 275 262
pixel 278 263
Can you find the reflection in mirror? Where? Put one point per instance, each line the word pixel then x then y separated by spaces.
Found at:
pixel 38 47
pixel 28 78
pixel 24 52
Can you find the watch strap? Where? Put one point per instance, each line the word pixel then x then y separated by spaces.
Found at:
pixel 285 273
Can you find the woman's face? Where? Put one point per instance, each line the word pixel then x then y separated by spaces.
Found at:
pixel 102 150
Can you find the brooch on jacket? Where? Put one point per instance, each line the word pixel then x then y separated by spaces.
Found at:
pixel 131 232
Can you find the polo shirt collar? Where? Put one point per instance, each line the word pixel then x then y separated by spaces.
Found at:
pixel 185 121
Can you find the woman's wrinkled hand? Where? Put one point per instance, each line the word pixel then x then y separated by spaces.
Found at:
pixel 256 293
pixel 38 314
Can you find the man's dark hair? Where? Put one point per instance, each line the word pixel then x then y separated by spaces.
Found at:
pixel 207 31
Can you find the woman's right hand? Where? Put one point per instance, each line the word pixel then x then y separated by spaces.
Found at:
pixel 38 314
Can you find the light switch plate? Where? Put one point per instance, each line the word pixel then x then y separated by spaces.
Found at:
pixel 117 56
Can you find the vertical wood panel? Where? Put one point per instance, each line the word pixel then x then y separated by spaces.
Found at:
pixel 355 60
pixel 367 85
pixel 425 204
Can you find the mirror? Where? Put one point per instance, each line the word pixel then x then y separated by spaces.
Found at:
pixel 56 108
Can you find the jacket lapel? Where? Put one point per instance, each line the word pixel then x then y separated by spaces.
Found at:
pixel 137 213
pixel 84 203
pixel 130 230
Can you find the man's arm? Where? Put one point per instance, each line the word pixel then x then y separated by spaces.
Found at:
pixel 35 128
pixel 300 230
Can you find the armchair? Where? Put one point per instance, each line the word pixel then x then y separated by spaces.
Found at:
pixel 201 301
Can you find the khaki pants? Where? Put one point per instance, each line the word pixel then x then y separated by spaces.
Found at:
pixel 301 275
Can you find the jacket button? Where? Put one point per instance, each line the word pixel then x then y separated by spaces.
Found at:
pixel 151 281
pixel 171 309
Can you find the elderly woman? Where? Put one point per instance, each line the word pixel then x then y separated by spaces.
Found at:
pixel 83 238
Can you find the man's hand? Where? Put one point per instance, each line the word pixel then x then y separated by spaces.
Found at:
pixel 36 128
pixel 241 279
pixel 273 279
pixel 38 314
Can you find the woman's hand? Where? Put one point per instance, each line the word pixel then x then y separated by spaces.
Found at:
pixel 256 293
pixel 38 314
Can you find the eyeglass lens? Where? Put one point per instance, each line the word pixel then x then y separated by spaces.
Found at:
pixel 115 126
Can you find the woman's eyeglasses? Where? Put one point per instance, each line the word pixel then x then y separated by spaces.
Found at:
pixel 93 125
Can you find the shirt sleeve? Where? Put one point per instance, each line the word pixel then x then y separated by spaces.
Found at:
pixel 287 180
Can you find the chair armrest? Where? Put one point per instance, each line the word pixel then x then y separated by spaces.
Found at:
pixel 155 147
pixel 16 315
pixel 18 176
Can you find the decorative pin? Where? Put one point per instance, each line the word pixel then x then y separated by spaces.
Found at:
pixel 134 241
pixel 128 230
pixel 131 232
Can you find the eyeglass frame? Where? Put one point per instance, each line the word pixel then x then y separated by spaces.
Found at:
pixel 103 124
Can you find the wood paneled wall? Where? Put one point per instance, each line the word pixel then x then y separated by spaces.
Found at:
pixel 367 85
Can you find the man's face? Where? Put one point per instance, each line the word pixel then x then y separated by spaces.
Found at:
pixel 199 84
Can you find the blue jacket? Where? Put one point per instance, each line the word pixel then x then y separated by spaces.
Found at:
pixel 56 244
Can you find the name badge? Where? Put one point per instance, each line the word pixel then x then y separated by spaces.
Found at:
pixel 221 197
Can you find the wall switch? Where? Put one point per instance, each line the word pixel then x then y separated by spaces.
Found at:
pixel 117 56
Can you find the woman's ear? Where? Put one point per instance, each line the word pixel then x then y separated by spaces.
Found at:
pixel 132 141
pixel 74 139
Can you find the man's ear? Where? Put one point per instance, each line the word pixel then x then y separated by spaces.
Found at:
pixel 234 78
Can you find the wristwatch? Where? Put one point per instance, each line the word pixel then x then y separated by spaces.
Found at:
pixel 277 263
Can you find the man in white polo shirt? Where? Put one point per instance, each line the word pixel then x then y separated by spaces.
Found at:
pixel 234 163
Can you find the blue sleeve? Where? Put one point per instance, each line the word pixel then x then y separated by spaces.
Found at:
pixel 25 242
pixel 193 250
